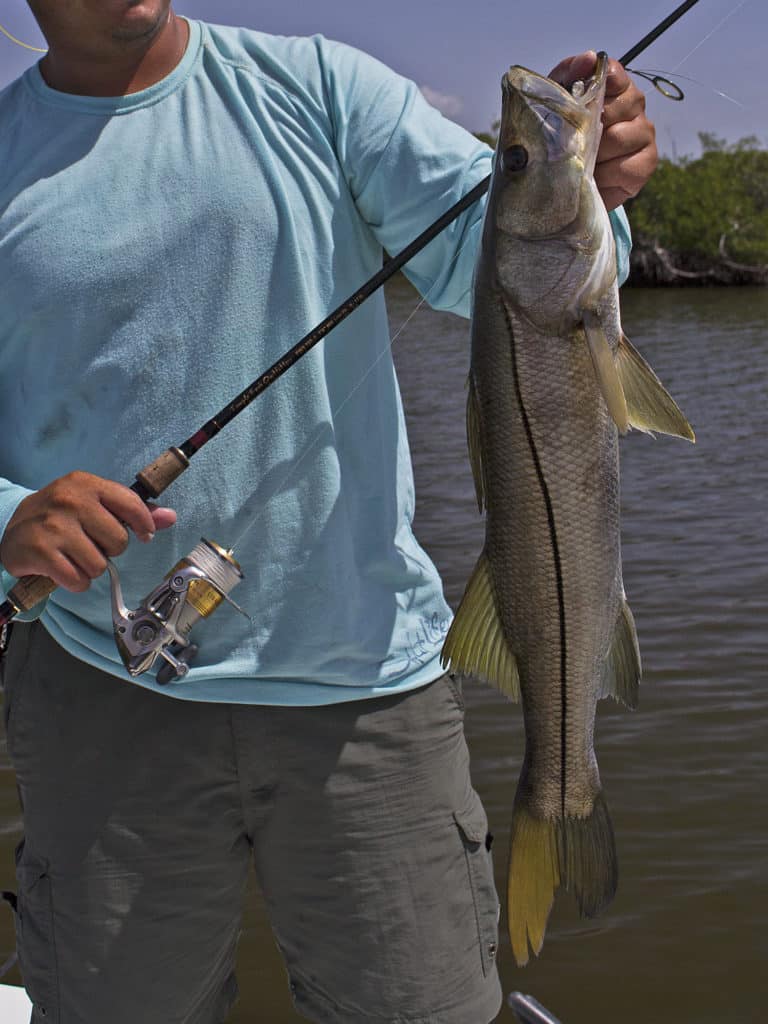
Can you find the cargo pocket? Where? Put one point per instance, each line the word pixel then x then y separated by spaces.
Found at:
pixel 473 827
pixel 454 685
pixel 35 936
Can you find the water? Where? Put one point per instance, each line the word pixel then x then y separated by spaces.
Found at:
pixel 685 940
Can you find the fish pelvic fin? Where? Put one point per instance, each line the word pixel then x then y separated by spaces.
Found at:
pixel 578 854
pixel 649 404
pixel 606 371
pixel 623 670
pixel 474 442
pixel 475 644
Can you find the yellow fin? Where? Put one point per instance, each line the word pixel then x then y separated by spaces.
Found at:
pixel 621 678
pixel 534 877
pixel 649 404
pixel 475 644
pixel 608 378
pixel 577 853
pixel 473 442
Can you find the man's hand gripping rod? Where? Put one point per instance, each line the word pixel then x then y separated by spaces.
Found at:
pixel 160 474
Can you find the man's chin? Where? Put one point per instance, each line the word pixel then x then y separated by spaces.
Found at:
pixel 138 19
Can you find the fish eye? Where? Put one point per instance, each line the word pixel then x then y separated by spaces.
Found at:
pixel 514 158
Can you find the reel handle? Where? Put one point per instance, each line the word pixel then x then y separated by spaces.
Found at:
pixel 150 483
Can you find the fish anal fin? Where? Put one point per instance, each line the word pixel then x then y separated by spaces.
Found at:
pixel 578 853
pixel 606 371
pixel 622 671
pixel 474 442
pixel 649 404
pixel 475 644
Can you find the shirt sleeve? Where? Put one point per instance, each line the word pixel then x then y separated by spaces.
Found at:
pixel 406 165
pixel 623 237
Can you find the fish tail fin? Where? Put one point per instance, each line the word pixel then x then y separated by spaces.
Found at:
pixel 590 869
pixel 578 854
pixel 533 879
pixel 475 644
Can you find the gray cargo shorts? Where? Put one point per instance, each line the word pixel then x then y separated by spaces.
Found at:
pixel 142 814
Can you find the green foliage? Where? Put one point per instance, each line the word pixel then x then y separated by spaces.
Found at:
pixel 690 205
pixel 490 138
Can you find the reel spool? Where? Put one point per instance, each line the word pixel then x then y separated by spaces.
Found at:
pixel 160 626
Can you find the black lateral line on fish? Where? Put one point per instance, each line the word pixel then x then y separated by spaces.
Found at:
pixel 558 565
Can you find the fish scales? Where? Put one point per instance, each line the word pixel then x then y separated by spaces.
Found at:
pixel 552 381
pixel 552 541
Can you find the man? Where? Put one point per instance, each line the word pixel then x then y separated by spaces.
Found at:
pixel 179 204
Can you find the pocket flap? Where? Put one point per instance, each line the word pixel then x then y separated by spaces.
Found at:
pixel 472 820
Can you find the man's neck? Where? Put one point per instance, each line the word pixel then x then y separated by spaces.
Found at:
pixel 125 69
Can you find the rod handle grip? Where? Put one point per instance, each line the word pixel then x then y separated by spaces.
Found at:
pixel 161 473
pixel 29 591
pixel 153 480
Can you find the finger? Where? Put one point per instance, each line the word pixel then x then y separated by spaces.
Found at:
pixel 627 174
pixel 574 69
pixel 624 107
pixel 127 507
pixel 86 556
pixel 627 138
pixel 613 197
pixel 65 573
pixel 618 80
pixel 105 531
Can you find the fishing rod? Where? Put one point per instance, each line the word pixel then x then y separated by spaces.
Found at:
pixel 201 581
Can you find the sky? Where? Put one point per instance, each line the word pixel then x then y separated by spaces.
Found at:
pixel 458 52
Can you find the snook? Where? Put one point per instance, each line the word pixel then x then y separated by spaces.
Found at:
pixel 544 615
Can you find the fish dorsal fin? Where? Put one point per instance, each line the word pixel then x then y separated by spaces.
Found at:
pixel 608 378
pixel 475 644
pixel 473 442
pixel 621 675
pixel 649 404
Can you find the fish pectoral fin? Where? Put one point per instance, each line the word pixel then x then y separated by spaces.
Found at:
pixel 649 404
pixel 606 371
pixel 622 671
pixel 475 644
pixel 474 443
pixel 576 853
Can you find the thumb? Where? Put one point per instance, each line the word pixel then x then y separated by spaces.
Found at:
pixel 163 517
pixel 574 69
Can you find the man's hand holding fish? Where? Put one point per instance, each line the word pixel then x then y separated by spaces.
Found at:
pixel 627 155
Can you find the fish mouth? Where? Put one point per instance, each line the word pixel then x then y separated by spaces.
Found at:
pixel 551 121
pixel 571 104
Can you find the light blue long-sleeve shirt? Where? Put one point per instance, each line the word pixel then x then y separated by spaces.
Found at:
pixel 157 252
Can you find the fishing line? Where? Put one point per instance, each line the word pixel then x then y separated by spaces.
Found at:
pixel 313 442
pixel 25 46
pixel 710 34
pixel 655 75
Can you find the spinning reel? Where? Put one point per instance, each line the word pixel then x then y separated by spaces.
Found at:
pixel 160 626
